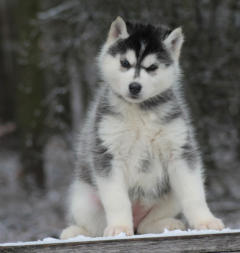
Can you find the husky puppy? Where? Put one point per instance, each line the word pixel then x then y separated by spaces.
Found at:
pixel 138 165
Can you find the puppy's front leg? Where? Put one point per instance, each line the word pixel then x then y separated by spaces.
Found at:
pixel 114 196
pixel 187 183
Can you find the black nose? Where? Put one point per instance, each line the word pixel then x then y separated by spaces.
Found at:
pixel 135 88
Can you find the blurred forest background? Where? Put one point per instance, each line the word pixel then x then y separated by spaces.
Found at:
pixel 47 72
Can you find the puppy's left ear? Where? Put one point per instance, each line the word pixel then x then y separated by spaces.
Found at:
pixel 174 42
pixel 117 30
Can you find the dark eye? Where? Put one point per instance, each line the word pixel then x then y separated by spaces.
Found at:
pixel 125 64
pixel 152 67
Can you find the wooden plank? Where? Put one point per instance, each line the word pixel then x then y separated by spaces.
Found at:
pixel 218 243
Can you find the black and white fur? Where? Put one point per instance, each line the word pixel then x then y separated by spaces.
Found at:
pixel 137 145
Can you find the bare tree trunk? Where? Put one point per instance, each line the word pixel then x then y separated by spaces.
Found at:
pixel 6 41
pixel 30 96
pixel 7 64
pixel 76 95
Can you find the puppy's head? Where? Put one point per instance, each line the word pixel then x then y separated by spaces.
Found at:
pixel 140 61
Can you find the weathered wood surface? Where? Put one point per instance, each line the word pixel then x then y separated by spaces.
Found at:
pixel 218 243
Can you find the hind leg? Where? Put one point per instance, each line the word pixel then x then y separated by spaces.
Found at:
pixel 161 217
pixel 86 212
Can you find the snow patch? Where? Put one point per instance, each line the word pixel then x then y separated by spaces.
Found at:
pixel 122 236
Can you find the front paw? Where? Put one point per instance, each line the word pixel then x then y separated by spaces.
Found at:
pixel 73 231
pixel 210 223
pixel 116 230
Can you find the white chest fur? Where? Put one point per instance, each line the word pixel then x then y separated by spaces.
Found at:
pixel 138 139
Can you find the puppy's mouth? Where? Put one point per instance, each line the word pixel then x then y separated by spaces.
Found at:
pixel 134 98
pixel 131 98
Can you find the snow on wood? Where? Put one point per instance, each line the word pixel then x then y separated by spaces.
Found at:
pixel 226 240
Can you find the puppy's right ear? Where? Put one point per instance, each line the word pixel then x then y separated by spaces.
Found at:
pixel 117 30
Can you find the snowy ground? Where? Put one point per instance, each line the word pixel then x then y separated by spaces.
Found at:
pixel 122 236
pixel 31 216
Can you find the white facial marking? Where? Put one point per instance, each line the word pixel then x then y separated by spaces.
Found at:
pixel 149 60
pixel 131 57
pixel 143 46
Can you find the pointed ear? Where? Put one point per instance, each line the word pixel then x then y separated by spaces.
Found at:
pixel 117 30
pixel 174 42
